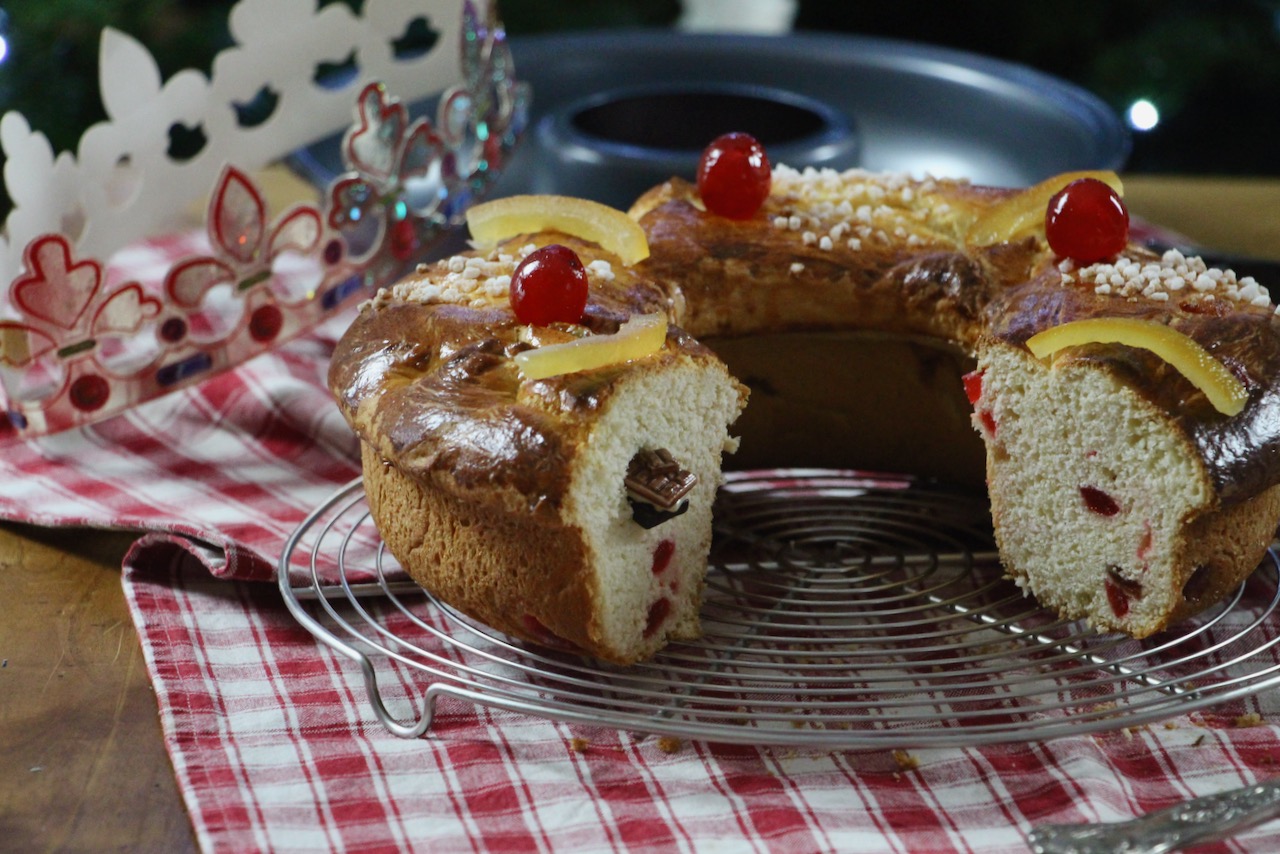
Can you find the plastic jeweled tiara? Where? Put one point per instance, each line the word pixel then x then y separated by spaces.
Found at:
pixel 89 330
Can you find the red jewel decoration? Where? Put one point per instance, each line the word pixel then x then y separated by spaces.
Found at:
pixel 493 152
pixel 333 252
pixel 404 239
pixel 549 286
pixel 734 176
pixel 173 330
pixel 1087 222
pixel 265 323
pixel 89 393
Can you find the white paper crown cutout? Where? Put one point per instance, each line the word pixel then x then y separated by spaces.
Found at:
pixel 80 341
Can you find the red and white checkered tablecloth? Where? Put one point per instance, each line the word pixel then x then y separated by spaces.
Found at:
pixel 275 747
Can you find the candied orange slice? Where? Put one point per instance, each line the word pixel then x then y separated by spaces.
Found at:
pixel 1220 386
pixel 608 227
pixel 1022 214
pixel 641 335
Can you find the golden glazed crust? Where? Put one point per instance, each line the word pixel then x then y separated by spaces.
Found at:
pixel 432 386
pixel 1220 550
pixel 498 567
pixel 909 274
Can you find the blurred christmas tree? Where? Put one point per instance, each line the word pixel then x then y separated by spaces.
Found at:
pixel 50 70
pixel 1210 67
pixel 49 53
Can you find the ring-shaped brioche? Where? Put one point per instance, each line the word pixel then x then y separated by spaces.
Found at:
pixel 1119 494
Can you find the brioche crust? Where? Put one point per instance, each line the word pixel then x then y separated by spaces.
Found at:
pixel 494 566
pixel 911 274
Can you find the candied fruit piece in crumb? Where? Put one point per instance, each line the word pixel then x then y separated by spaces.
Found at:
pixel 662 556
pixel 1098 501
pixel 658 613
pixel 973 385
pixel 1121 591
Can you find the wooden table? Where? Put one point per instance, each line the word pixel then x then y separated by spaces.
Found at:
pixel 83 766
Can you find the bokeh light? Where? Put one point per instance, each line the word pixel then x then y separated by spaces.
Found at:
pixel 1143 115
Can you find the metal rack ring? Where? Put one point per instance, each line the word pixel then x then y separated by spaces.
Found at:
pixel 842 610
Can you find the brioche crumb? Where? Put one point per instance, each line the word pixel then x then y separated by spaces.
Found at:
pixel 579 745
pixel 1068 440
pixel 905 760
pixel 1250 720
pixel 623 553
pixel 670 744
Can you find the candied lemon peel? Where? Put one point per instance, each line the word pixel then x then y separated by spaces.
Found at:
pixel 1022 214
pixel 615 232
pixel 639 336
pixel 1227 394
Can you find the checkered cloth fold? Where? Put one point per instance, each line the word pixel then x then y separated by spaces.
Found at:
pixel 276 748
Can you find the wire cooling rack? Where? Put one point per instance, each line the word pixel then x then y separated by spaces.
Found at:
pixel 842 610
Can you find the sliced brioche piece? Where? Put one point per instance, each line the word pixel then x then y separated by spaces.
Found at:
pixel 648 582
pixel 1102 507
pixel 506 494
pixel 588 576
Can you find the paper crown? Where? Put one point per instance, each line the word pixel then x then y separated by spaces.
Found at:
pixel 88 333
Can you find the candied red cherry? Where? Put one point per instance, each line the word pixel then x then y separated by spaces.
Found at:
pixel 1087 222
pixel 734 176
pixel 549 286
